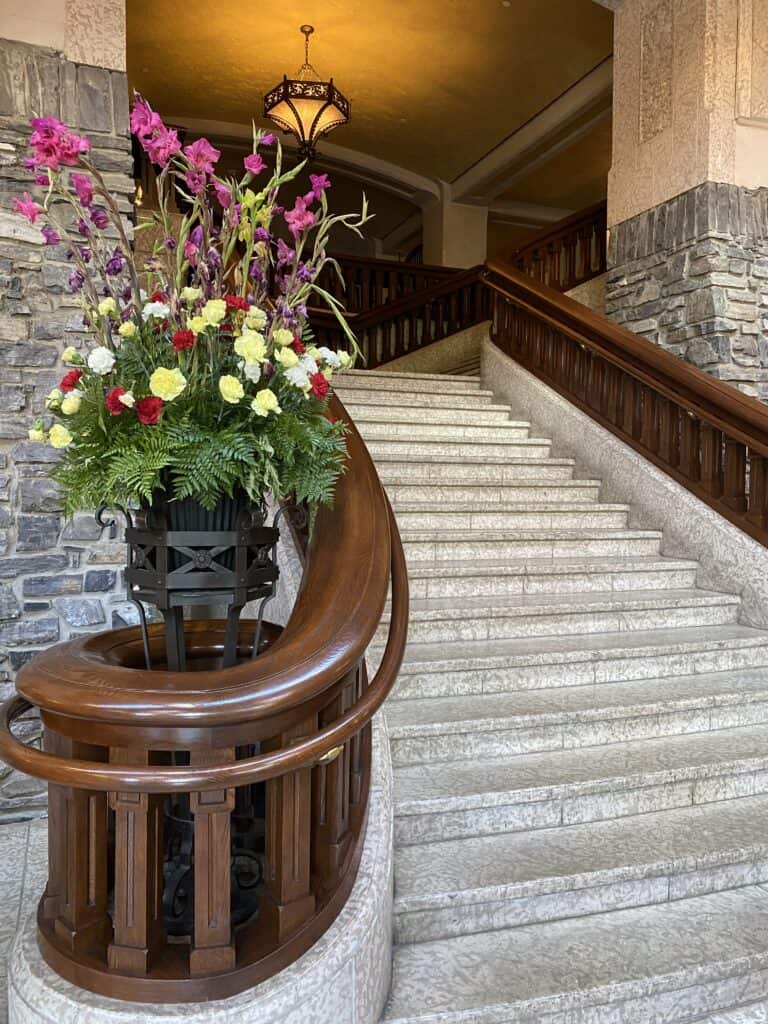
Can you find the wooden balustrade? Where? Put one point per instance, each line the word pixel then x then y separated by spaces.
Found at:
pixel 569 253
pixel 206 825
pixel 370 283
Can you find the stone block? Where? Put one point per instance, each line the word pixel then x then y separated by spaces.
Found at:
pixel 100 580
pixel 705 303
pixel 40 494
pixel 27 354
pixel 30 631
pixel 81 527
pixel 9 605
pixel 37 533
pixel 80 611
pixel 53 586
pixel 94 99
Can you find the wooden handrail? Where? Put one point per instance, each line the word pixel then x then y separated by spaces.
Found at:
pixel 569 252
pixel 371 283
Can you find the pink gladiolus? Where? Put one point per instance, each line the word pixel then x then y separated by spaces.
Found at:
pixel 320 183
pixel 161 146
pixel 27 207
pixel 191 253
pixel 195 181
pixel 267 140
pixel 144 121
pixel 299 218
pixel 202 155
pixel 54 144
pixel 254 164
pixel 223 194
pixel 83 188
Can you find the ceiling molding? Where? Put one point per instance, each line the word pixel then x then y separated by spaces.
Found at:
pixel 612 5
pixel 370 170
pixel 490 176
pixel 526 214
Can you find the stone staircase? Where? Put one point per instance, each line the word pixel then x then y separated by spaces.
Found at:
pixel 578 735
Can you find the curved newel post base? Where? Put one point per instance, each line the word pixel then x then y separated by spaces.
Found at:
pixel 342 979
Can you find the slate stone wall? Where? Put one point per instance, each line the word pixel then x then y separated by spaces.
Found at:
pixel 692 276
pixel 57 579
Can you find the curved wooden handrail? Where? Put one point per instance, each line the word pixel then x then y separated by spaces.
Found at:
pixel 569 252
pixel 102 777
pixel 337 610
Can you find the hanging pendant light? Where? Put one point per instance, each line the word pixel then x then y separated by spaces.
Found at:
pixel 306 106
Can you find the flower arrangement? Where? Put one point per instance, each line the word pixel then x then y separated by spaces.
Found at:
pixel 203 377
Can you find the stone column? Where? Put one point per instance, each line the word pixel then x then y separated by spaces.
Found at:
pixel 57 579
pixel 454 234
pixel 687 211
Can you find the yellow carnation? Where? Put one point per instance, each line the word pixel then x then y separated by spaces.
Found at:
pixel 70 404
pixel 167 384
pixel 250 346
pixel 191 295
pixel 70 355
pixel 287 357
pixel 197 325
pixel 107 307
pixel 127 329
pixel 265 402
pixel 36 433
pixel 53 398
pixel 282 336
pixel 59 436
pixel 214 311
pixel 255 318
pixel 231 389
pixel 327 372
pixel 344 358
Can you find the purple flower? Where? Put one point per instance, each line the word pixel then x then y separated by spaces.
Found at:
pixel 196 236
pixel 236 214
pixel 191 252
pixel 114 264
pixel 255 271
pixel 202 155
pixel 214 260
pixel 76 281
pixel 84 188
pixel 254 164
pixel 42 179
pixel 83 228
pixel 51 237
pixel 99 217
pixel 284 253
pixel 170 243
pixel 126 295
pixel 320 183
pixel 267 140
pixel 30 163
pixel 305 273
pixel 261 235
pixel 85 253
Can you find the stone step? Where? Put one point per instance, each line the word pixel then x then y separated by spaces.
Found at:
pixel 488 495
pixel 464 886
pixel 469 469
pixel 563 576
pixel 437 619
pixel 472 401
pixel 412 515
pixel 453 415
pixel 750 1013
pixel 503 725
pixel 436 384
pixel 664 964
pixel 458 799
pixel 403 375
pixel 504 666
pixel 446 445
pixel 493 433
pixel 508 545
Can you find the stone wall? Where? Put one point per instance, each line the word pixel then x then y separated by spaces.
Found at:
pixel 692 276
pixel 57 579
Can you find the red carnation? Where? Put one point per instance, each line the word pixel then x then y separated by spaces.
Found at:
pixel 148 410
pixel 70 380
pixel 298 346
pixel 113 403
pixel 159 297
pixel 182 340
pixel 319 385
pixel 236 302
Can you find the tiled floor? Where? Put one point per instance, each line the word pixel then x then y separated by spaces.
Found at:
pixel 23 868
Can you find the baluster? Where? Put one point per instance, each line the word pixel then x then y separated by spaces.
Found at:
pixel 669 431
pixel 612 386
pixel 391 285
pixel 690 443
pixel 734 475
pixel 288 899
pixel 712 460
pixel 649 427
pixel 631 401
pixel 138 913
pixel 214 947
pixel 758 490
pixel 439 319
pixel 399 326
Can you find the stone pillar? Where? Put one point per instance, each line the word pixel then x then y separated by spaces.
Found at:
pixel 687 211
pixel 454 234
pixel 57 579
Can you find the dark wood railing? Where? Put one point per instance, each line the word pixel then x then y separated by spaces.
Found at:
pixel 370 283
pixel 570 252
pixel 135 758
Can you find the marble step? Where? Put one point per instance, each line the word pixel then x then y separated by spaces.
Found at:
pixel 471 399
pixel 507 545
pixel 498 725
pixel 464 886
pixel 504 666
pixel 548 576
pixel 454 619
pixel 471 469
pixel 437 384
pixel 750 1013
pixel 664 964
pixel 452 414
pixel 396 428
pixel 458 799
pixel 412 515
pixel 490 495
pixel 450 446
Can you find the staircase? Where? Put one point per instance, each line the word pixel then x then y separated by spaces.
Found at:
pixel 578 736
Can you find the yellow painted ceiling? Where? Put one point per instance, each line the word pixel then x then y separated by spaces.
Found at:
pixel 434 84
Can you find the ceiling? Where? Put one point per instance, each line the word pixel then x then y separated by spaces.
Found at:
pixel 434 84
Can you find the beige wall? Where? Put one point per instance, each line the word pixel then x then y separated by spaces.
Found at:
pixel 690 99
pixel 455 234
pixel 85 31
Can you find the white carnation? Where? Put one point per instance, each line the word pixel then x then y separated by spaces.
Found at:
pixel 330 357
pixel 159 310
pixel 101 360
pixel 308 364
pixel 252 371
pixel 297 376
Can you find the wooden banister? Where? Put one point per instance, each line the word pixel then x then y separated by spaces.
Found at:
pixel 570 252
pixel 370 283
pixel 132 754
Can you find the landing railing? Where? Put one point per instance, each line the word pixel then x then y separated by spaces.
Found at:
pixel 570 252
pixel 206 826
pixel 371 283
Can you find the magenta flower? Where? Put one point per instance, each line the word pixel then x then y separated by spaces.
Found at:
pixel 54 144
pixel 320 183
pixel 195 181
pixel 299 218
pixel 51 237
pixel 223 194
pixel 30 163
pixel 202 155
pixel 41 179
pixel 267 140
pixel 84 188
pixel 162 145
pixel 144 121
pixel 27 207
pixel 99 217
pixel 236 214
pixel 191 253
pixel 254 164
